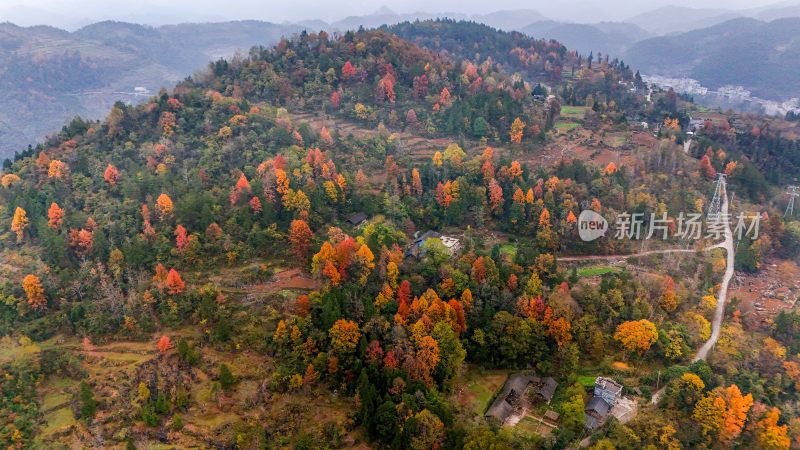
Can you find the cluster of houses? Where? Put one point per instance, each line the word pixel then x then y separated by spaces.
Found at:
pixel 522 391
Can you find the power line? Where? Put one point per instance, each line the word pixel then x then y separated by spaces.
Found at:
pixel 716 203
pixel 793 193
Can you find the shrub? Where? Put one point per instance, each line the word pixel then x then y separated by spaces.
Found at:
pixel 226 378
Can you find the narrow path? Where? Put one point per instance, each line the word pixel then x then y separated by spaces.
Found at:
pixel 719 313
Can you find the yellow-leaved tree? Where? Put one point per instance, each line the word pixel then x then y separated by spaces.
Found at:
pixel 344 336
pixel 19 223
pixel 636 335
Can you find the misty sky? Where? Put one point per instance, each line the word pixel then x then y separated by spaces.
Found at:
pixel 75 13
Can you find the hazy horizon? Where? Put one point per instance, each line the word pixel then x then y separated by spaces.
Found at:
pixel 73 14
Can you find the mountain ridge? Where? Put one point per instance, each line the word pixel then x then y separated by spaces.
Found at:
pixel 760 56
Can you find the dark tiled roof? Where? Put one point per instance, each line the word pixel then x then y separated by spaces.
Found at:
pixel 356 218
pixel 427 235
pixel 598 405
pixel 544 387
pixel 505 402
pixel 548 388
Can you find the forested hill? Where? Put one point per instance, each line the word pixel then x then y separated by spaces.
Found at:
pixel 232 120
pixel 244 261
pixel 539 60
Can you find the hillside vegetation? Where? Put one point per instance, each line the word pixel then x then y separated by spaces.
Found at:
pixel 191 271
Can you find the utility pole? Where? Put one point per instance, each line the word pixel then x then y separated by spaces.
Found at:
pixel 793 194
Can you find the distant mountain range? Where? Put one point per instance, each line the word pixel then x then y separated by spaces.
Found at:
pixel 677 19
pixel 607 37
pixel 48 75
pixel 763 57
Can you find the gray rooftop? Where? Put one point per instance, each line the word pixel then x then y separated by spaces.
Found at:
pixel 508 400
pixel 598 405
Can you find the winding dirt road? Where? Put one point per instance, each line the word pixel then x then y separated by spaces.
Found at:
pixel 719 313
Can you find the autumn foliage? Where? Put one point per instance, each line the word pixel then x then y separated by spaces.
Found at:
pixel 517 128
pixel 181 238
pixel 707 168
pixel 19 223
pixel 318 130
pixel 636 336
pixel 174 284
pixel 111 175
pixel 722 413
pixel 81 241
pixel 300 237
pixel 164 206
pixel 163 344
pixel 344 336
pixel 34 292
pixel 55 216
pixel 770 435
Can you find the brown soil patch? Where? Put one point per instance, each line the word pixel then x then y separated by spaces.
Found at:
pixel 763 295
pixel 287 279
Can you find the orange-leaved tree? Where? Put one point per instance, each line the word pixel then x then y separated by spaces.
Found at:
pixel 517 128
pixel 111 175
pixel 55 216
pixel 56 169
pixel 174 284
pixel 163 343
pixel 495 197
pixel 669 300
pixel 164 206
pixel 722 413
pixel 707 168
pixel 300 237
pixel 770 435
pixel 34 292
pixel 427 357
pixel 81 241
